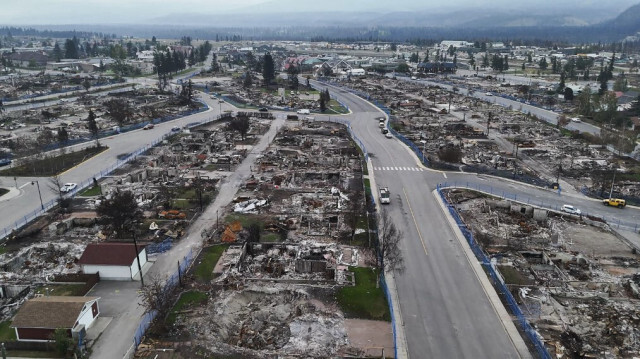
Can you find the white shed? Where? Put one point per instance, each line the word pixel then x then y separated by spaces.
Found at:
pixel 114 261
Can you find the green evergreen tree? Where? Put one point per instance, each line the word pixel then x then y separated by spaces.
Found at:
pixel 268 69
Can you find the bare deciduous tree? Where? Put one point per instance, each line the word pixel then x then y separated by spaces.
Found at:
pixel 55 185
pixel 154 297
pixel 388 250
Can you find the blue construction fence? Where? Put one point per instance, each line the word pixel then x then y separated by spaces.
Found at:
pixel 554 206
pixel 170 285
pixel 98 175
pixel 497 281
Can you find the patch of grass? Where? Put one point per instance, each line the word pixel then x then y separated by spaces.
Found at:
pixel 364 301
pixel 63 289
pixel 270 237
pixel 335 107
pixel 51 166
pixel 513 276
pixel 187 300
pixel 3 191
pixel 203 271
pixel 181 204
pixel 245 220
pixel 33 354
pixel 7 333
pixel 91 191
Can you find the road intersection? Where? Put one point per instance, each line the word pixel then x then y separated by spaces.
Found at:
pixel 446 309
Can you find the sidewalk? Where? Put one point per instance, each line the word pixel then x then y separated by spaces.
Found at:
pixel 400 340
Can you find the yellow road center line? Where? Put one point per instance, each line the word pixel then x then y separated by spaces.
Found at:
pixel 415 222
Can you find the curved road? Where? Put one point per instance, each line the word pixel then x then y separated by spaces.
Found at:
pixel 446 312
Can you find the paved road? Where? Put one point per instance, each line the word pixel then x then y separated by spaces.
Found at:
pixel 546 115
pixel 445 310
pixel 16 208
pixel 118 337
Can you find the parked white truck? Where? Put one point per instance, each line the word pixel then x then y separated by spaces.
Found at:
pixel 384 195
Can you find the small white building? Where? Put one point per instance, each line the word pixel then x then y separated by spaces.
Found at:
pixel 38 318
pixel 113 261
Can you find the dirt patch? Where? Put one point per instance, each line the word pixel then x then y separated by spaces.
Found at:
pixel 373 337
pixel 596 242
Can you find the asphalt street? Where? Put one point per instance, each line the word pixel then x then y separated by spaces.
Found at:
pixel 445 310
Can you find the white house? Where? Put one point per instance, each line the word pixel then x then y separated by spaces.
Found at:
pixel 113 261
pixel 39 317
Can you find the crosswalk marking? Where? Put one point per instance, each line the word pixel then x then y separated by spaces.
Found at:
pixel 407 169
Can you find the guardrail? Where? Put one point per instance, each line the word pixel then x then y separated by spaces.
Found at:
pixel 496 280
pixel 611 221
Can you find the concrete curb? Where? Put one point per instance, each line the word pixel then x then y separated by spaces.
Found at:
pixel 13 192
pixel 492 295
pixel 401 339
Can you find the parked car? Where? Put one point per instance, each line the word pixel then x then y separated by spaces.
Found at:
pixel 175 128
pixel 148 126
pixel 5 161
pixel 489 94
pixel 263 109
pixel 304 111
pixel 388 135
pixel 570 209
pixel 68 187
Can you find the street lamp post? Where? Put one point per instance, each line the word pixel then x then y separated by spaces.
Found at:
pixel 39 193
pixel 612 182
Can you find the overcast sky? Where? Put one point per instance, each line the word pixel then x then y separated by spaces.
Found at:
pixel 108 11
pixel 45 12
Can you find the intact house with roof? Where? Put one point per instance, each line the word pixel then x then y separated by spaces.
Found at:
pixel 113 261
pixel 38 318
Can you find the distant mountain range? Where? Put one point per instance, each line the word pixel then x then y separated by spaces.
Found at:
pixel 544 13
pixel 574 21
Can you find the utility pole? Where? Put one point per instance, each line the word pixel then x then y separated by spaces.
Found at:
pixel 489 118
pixel 559 171
pixel 135 245
pixel 612 182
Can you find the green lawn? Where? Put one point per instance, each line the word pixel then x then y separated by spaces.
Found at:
pixel 3 191
pixel 91 191
pixel 50 166
pixel 364 301
pixel 335 107
pixel 63 289
pixel 187 300
pixel 7 333
pixel 32 354
pixel 270 237
pixel 203 271
pixel 245 219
